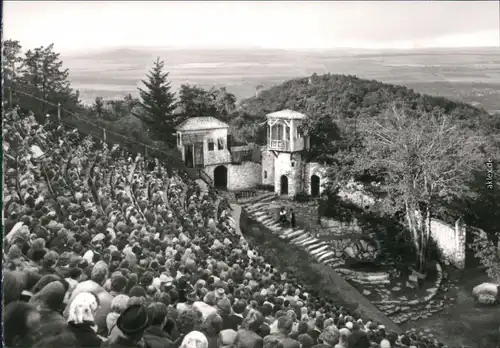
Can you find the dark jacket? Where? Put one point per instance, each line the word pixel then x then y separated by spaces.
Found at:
pixel 248 339
pixel 85 335
pixel 122 342
pixel 232 322
pixel 157 338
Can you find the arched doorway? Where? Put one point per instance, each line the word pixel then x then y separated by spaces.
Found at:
pixel 315 185
pixel 220 177
pixel 284 185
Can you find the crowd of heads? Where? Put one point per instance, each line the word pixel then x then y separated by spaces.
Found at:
pixel 103 248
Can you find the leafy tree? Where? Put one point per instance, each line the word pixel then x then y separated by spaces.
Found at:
pixel 11 56
pixel 43 76
pixel 158 103
pixel 425 158
pixel 98 106
pixel 217 102
pixel 131 102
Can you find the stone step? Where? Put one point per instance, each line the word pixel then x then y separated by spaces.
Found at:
pixel 310 242
pixel 321 253
pixel 294 234
pixel 315 252
pixel 316 245
pixel 300 238
pixel 300 242
pixel 326 255
pixel 257 213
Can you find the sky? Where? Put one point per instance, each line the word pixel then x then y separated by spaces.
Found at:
pixel 76 26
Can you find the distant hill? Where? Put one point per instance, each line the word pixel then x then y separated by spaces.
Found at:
pixel 469 75
pixel 349 97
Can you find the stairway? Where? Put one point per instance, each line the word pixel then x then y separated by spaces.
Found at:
pixel 258 209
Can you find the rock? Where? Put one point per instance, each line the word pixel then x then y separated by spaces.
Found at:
pixel 396 288
pixel 366 292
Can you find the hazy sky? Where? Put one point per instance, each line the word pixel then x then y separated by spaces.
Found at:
pixel 84 25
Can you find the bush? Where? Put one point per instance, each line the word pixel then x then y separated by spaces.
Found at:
pixel 302 197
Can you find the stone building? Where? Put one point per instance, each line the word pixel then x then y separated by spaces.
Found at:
pixel 205 145
pixel 283 165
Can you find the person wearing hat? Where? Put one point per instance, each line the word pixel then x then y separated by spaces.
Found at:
pixel 131 325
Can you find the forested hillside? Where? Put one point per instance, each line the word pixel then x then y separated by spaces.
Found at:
pixel 403 140
pixel 343 99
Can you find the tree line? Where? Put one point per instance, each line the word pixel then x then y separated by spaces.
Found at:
pixel 40 73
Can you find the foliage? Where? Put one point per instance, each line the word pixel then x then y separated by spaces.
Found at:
pixel 340 100
pixel 425 158
pixel 11 56
pixel 488 252
pixel 158 103
pixel 39 73
pixel 194 101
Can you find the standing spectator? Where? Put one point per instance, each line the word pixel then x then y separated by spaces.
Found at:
pixel 292 218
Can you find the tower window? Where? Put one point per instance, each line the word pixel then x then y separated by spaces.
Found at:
pixel 211 145
pixel 293 164
pixel 220 143
pixel 265 174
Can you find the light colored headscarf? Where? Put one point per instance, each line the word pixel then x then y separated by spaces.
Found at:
pixel 194 339
pixel 83 308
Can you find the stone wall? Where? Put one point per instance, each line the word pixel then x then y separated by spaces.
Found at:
pixel 314 168
pixel 268 167
pixel 244 176
pixel 239 176
pixel 450 240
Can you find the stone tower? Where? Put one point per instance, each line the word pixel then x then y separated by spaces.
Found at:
pixel 282 164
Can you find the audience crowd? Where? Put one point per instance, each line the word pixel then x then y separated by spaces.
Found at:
pixel 105 249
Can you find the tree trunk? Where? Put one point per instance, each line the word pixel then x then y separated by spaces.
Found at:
pixel 419 226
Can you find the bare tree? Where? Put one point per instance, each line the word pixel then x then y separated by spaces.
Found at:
pixel 426 158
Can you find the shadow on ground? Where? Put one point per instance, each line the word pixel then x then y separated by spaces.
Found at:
pixel 465 323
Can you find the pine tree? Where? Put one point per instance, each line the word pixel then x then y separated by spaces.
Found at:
pixel 158 104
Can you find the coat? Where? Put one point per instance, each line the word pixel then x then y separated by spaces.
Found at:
pixel 155 337
pixel 85 335
pixel 122 342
